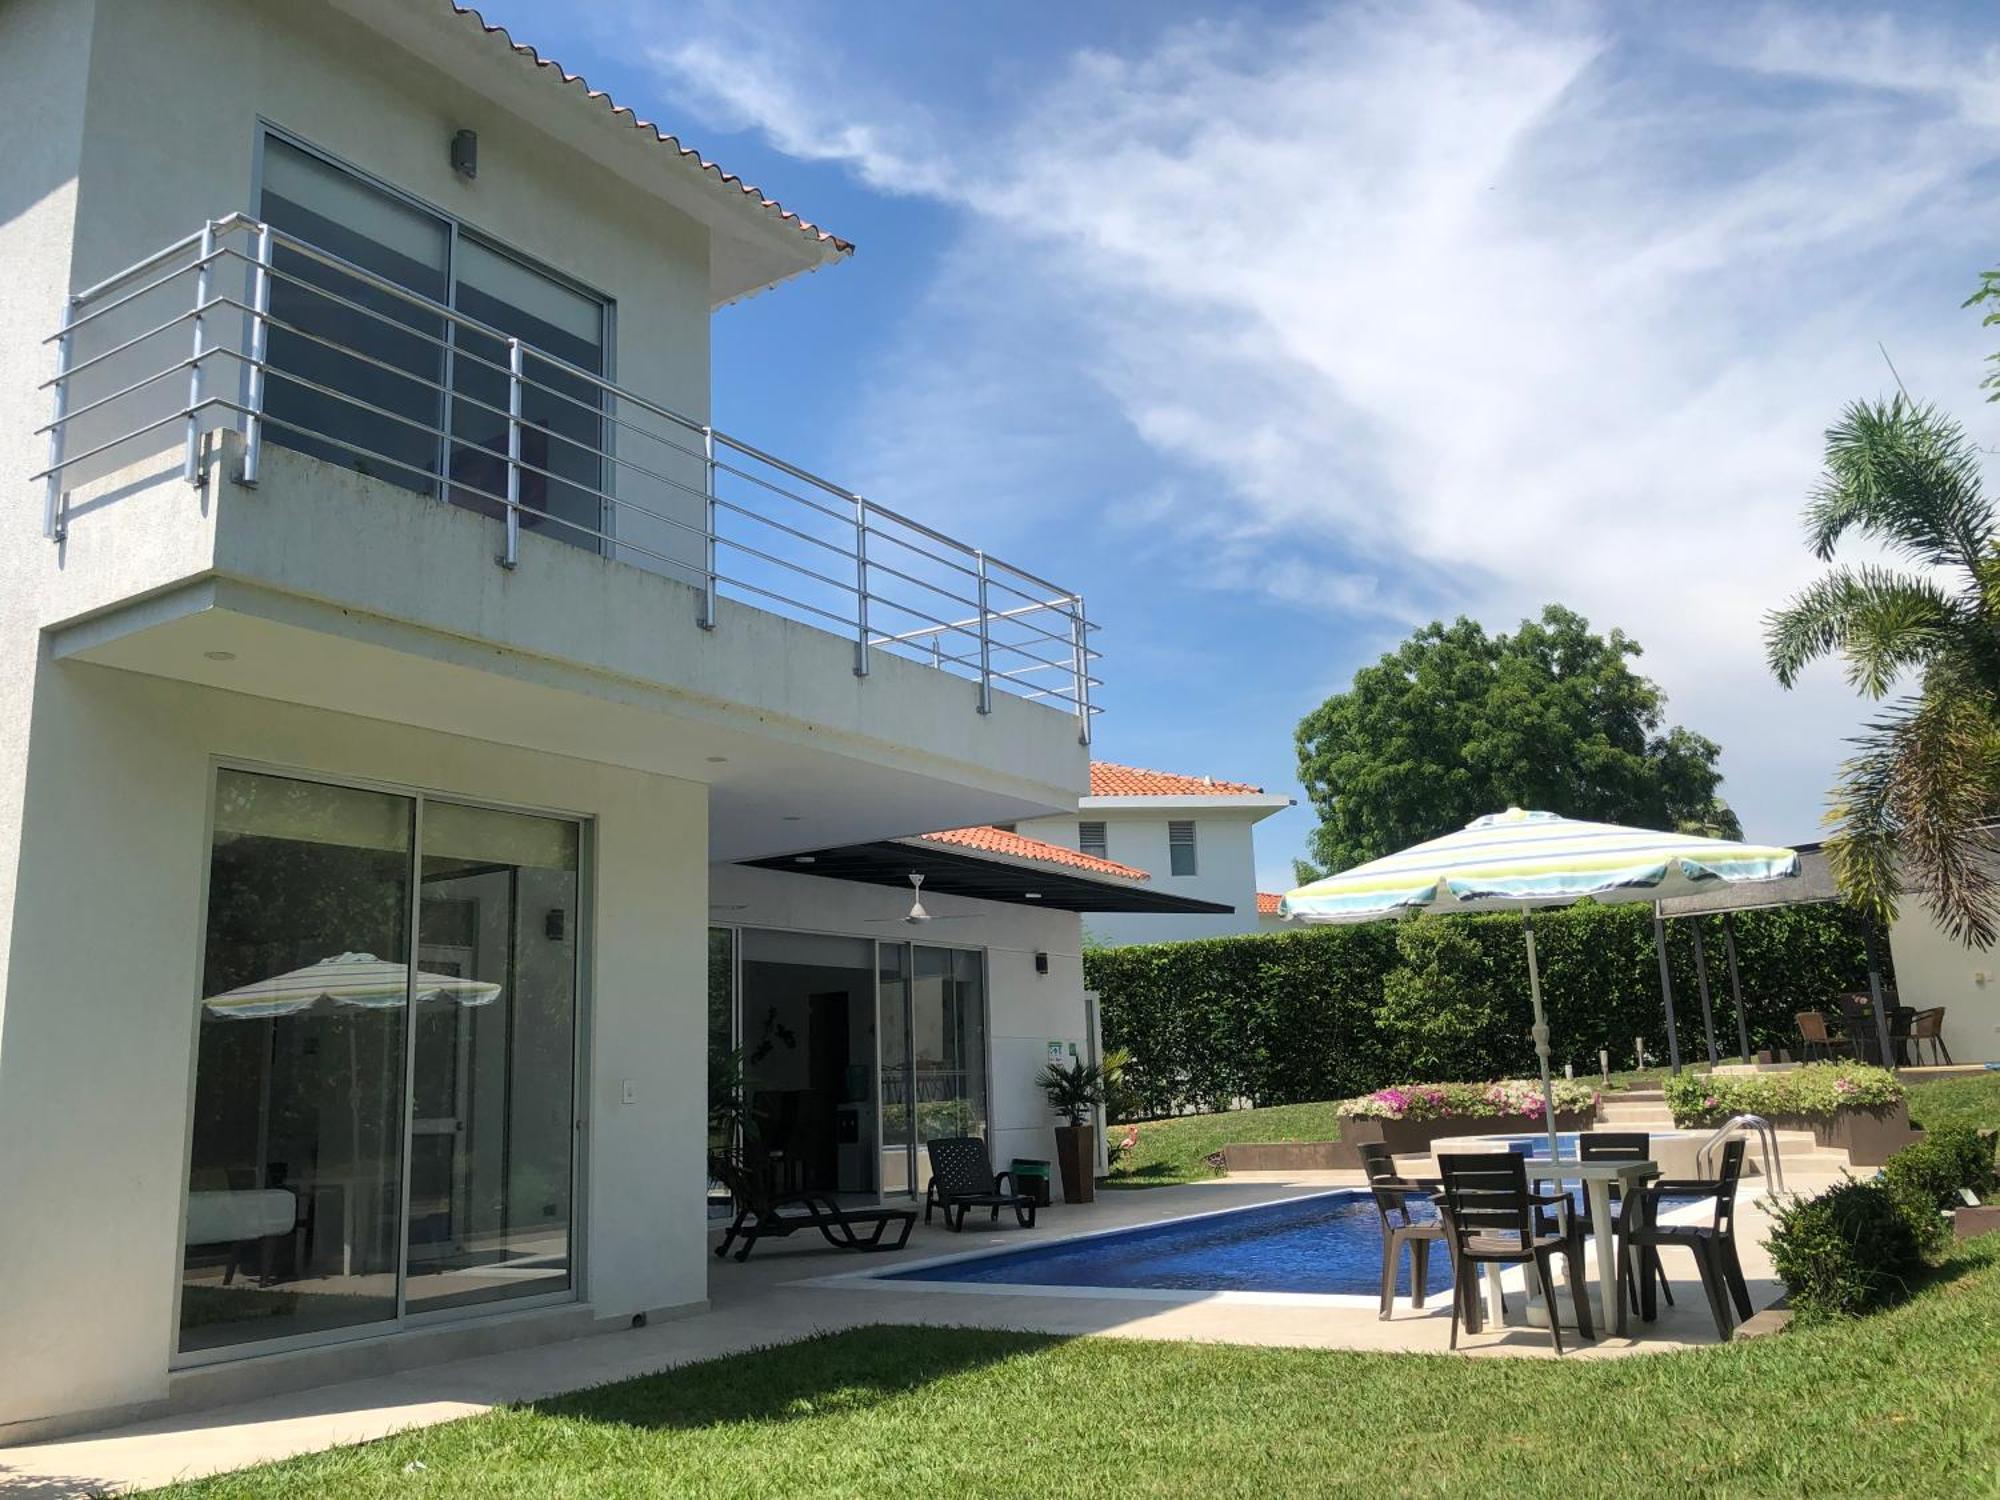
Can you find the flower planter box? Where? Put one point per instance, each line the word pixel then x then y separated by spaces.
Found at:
pixel 1868 1136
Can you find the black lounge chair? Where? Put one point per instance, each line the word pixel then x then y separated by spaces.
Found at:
pixel 1491 1219
pixel 1713 1244
pixel 764 1215
pixel 962 1178
pixel 1393 1195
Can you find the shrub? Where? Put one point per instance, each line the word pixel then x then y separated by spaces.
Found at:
pixel 1816 1089
pixel 1442 1001
pixel 1507 1099
pixel 1850 1250
pixel 1300 1016
pixel 1947 1159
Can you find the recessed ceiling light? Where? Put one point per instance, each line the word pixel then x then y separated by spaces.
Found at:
pixel 718 760
pixel 220 655
pixel 802 859
pixel 1031 895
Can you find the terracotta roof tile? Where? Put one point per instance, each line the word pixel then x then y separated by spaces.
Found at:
pixel 1109 779
pixel 1018 846
pixel 685 153
pixel 1267 903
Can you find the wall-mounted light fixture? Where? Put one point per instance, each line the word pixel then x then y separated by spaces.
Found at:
pixel 465 154
pixel 1041 963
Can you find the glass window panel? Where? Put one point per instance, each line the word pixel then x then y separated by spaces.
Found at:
pixel 563 430
pixel 948 1043
pixel 294 1180
pixel 899 1172
pixel 340 332
pixel 492 1107
pixel 808 1038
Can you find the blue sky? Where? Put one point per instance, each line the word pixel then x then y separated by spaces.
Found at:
pixel 1279 329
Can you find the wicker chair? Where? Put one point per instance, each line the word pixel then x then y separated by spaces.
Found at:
pixel 1928 1026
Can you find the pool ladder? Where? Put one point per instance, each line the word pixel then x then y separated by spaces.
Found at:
pixel 1767 1145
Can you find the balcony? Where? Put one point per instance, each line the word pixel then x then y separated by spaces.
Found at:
pixel 370 467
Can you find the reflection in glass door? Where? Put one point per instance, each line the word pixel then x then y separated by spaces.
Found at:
pixel 372 1139
pixel 933 1004
pixel 491 1082
pixel 294 1186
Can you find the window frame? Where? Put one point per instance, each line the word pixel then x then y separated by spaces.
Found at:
pixel 1102 843
pixel 457 227
pixel 405 1322
pixel 1176 842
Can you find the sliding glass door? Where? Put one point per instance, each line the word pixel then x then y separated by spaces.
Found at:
pixel 384 1080
pixel 933 1003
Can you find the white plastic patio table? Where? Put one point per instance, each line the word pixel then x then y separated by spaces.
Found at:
pixel 1596 1177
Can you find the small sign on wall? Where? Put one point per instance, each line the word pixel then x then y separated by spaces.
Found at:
pixel 1055 1054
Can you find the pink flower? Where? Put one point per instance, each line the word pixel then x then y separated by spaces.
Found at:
pixel 1709 1102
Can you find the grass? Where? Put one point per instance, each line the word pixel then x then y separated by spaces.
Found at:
pixel 1176 1151
pixel 1901 1404
pixel 1957 1101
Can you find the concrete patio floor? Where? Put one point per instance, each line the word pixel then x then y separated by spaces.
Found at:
pixel 781 1295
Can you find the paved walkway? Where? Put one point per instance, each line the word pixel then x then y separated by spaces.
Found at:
pixel 781 1295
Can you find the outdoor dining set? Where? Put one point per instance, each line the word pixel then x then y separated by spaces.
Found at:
pixel 1498 1209
pixel 1852 1031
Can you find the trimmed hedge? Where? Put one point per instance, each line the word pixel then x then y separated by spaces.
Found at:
pixel 1295 1017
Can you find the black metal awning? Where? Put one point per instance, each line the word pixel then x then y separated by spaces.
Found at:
pixel 955 870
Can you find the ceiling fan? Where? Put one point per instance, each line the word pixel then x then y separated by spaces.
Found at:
pixel 916 915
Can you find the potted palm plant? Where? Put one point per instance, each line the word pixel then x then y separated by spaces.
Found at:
pixel 1074 1092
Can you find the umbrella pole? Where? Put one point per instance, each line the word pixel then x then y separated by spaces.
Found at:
pixel 1735 984
pixel 1541 1035
pixel 1666 990
pixel 1888 1058
pixel 1701 983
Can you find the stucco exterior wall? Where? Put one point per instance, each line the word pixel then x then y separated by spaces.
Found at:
pixel 1225 870
pixel 1935 969
pixel 103 980
pixel 1025 1011
pixel 176 101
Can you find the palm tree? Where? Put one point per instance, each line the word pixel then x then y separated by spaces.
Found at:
pixel 1915 806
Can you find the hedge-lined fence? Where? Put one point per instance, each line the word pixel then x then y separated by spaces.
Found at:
pixel 1331 1012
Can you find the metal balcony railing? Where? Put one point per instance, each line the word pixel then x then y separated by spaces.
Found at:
pixel 242 327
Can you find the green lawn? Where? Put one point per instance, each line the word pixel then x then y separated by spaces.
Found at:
pixel 1901 1404
pixel 1958 1101
pixel 1175 1151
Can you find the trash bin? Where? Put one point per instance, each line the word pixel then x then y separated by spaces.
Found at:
pixel 1032 1178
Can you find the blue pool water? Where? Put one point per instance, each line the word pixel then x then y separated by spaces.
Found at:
pixel 1330 1242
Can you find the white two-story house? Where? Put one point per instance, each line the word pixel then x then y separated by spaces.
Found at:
pixel 424 736
pixel 1194 835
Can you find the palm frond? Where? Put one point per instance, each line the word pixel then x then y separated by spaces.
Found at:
pixel 1907 475
pixel 1882 621
pixel 1913 808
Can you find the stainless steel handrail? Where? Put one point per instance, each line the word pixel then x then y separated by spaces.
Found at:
pixel 790 536
pixel 1767 1145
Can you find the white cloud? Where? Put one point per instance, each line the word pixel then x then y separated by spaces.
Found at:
pixel 1441 307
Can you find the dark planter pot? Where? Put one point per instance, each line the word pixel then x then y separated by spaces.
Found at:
pixel 1076 1159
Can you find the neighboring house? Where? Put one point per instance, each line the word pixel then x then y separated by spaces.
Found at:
pixel 1193 834
pixel 423 738
pixel 1268 919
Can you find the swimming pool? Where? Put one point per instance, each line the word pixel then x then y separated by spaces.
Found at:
pixel 1327 1243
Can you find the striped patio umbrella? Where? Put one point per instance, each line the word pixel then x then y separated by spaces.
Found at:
pixel 1519 860
pixel 351 979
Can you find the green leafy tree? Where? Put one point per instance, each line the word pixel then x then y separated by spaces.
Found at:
pixel 1455 723
pixel 1914 805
